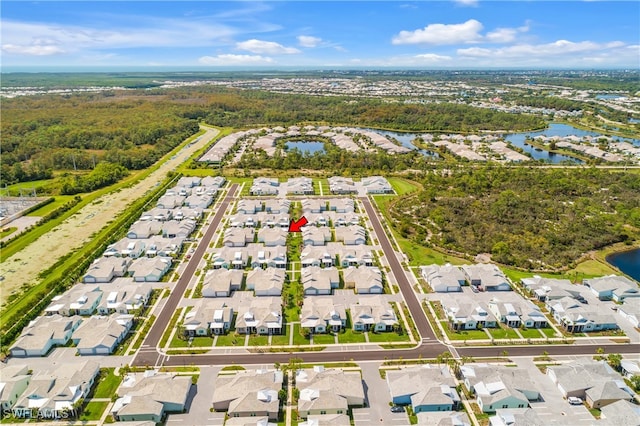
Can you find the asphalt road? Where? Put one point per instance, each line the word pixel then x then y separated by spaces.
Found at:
pixel 417 313
pixel 148 355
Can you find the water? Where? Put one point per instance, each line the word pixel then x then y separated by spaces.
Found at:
pixel 628 262
pixel 634 120
pixel 609 96
pixel 306 146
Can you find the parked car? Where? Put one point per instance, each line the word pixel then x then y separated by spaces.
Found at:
pixel 574 400
pixel 397 409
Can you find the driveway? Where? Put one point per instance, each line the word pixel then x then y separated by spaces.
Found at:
pixel 377 399
pixel 199 403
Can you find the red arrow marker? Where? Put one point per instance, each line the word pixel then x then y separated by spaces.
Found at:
pixel 295 225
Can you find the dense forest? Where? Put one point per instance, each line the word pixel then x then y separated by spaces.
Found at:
pixel 530 218
pixel 135 128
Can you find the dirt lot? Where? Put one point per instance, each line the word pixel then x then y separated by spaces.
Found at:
pixel 70 235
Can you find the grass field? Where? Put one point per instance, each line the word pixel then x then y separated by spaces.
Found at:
pixel 323 339
pixel 230 340
pixel 299 339
pixel 350 336
pixel 107 384
pixel 403 186
pixel 531 333
pixel 281 340
pixel 465 334
pixel 503 333
pixel 7 231
pixel 388 337
pixel 93 410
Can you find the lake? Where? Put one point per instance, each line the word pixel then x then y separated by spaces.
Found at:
pixel 628 262
pixel 405 140
pixel 306 146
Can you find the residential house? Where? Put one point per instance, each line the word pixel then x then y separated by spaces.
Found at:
pixel 187 213
pixel 328 391
pixel 53 393
pixel 266 282
pixel 262 315
pixel 264 186
pixel 498 387
pixel 520 416
pixel 164 247
pixel 213 182
pixel 300 186
pixel 238 237
pixel 158 214
pixel 315 236
pixel 170 201
pixel 152 269
pixel 198 201
pixel 267 257
pixel 620 413
pixel 175 228
pixel 229 258
pixel 612 287
pixel 544 289
pixel 373 314
pixel 43 333
pixel 248 393
pixel 189 181
pixel 221 282
pixel 341 185
pixel 272 237
pixel 595 382
pixel 208 319
pixel 273 220
pixel 326 420
pixel 351 235
pixel 376 185
pixel 277 206
pixel 465 313
pixel 345 219
pixel 143 229
pixel 78 300
pixel 342 205
pixel 443 279
pixel 486 277
pixel 576 317
pixel 101 335
pixel 425 388
pixel 241 220
pixel 322 314
pixel 14 380
pixel 444 418
pixel 249 206
pixel 126 247
pixel 150 395
pixel 124 297
pixel 630 311
pixel 105 269
pixel 314 205
pixel 316 280
pixel 515 314
pixel 364 280
pixel 630 368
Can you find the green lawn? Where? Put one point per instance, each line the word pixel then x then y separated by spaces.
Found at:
pixel 230 339
pixel 503 333
pixel 7 231
pixel 350 336
pixel 465 334
pixel 403 186
pixel 107 383
pixel 199 341
pixel 59 200
pixel 323 339
pixel 388 337
pixel 256 340
pixel 93 410
pixel 531 333
pixel 549 332
pixel 281 339
pixel 299 339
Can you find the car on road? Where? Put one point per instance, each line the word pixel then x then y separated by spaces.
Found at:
pixel 397 409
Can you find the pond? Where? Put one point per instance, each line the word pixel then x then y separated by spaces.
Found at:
pixel 628 262
pixel 405 140
pixel 306 146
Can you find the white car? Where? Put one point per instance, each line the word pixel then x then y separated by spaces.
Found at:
pixel 573 400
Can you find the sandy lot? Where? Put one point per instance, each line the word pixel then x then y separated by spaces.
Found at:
pixel 70 235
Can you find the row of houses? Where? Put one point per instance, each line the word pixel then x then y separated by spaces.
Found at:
pixel 263 316
pixel 326 395
pixel 304 186
pixel 140 269
pixel 450 278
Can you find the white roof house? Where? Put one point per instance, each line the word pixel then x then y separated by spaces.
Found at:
pixel 328 391
pixel 487 277
pixel 43 333
pixel 249 393
pixel 612 287
pixel 78 300
pixel 104 269
pixel 426 388
pixel 262 315
pixel 443 279
pixel 364 279
pixel 316 280
pixel 152 269
pixel 322 314
pixel 373 314
pixel 101 335
pixel 266 282
pixel 221 282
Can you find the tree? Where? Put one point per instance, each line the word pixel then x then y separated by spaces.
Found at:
pixel 599 354
pixel 614 361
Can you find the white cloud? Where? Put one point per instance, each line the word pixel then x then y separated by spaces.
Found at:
pixel 467 32
pixel 33 50
pixel 432 57
pixel 309 41
pixel 229 60
pixel 557 48
pixel 266 47
pixel 466 2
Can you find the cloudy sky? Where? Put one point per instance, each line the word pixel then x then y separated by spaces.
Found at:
pixel 424 34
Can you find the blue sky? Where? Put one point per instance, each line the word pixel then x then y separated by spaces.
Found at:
pixel 423 34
